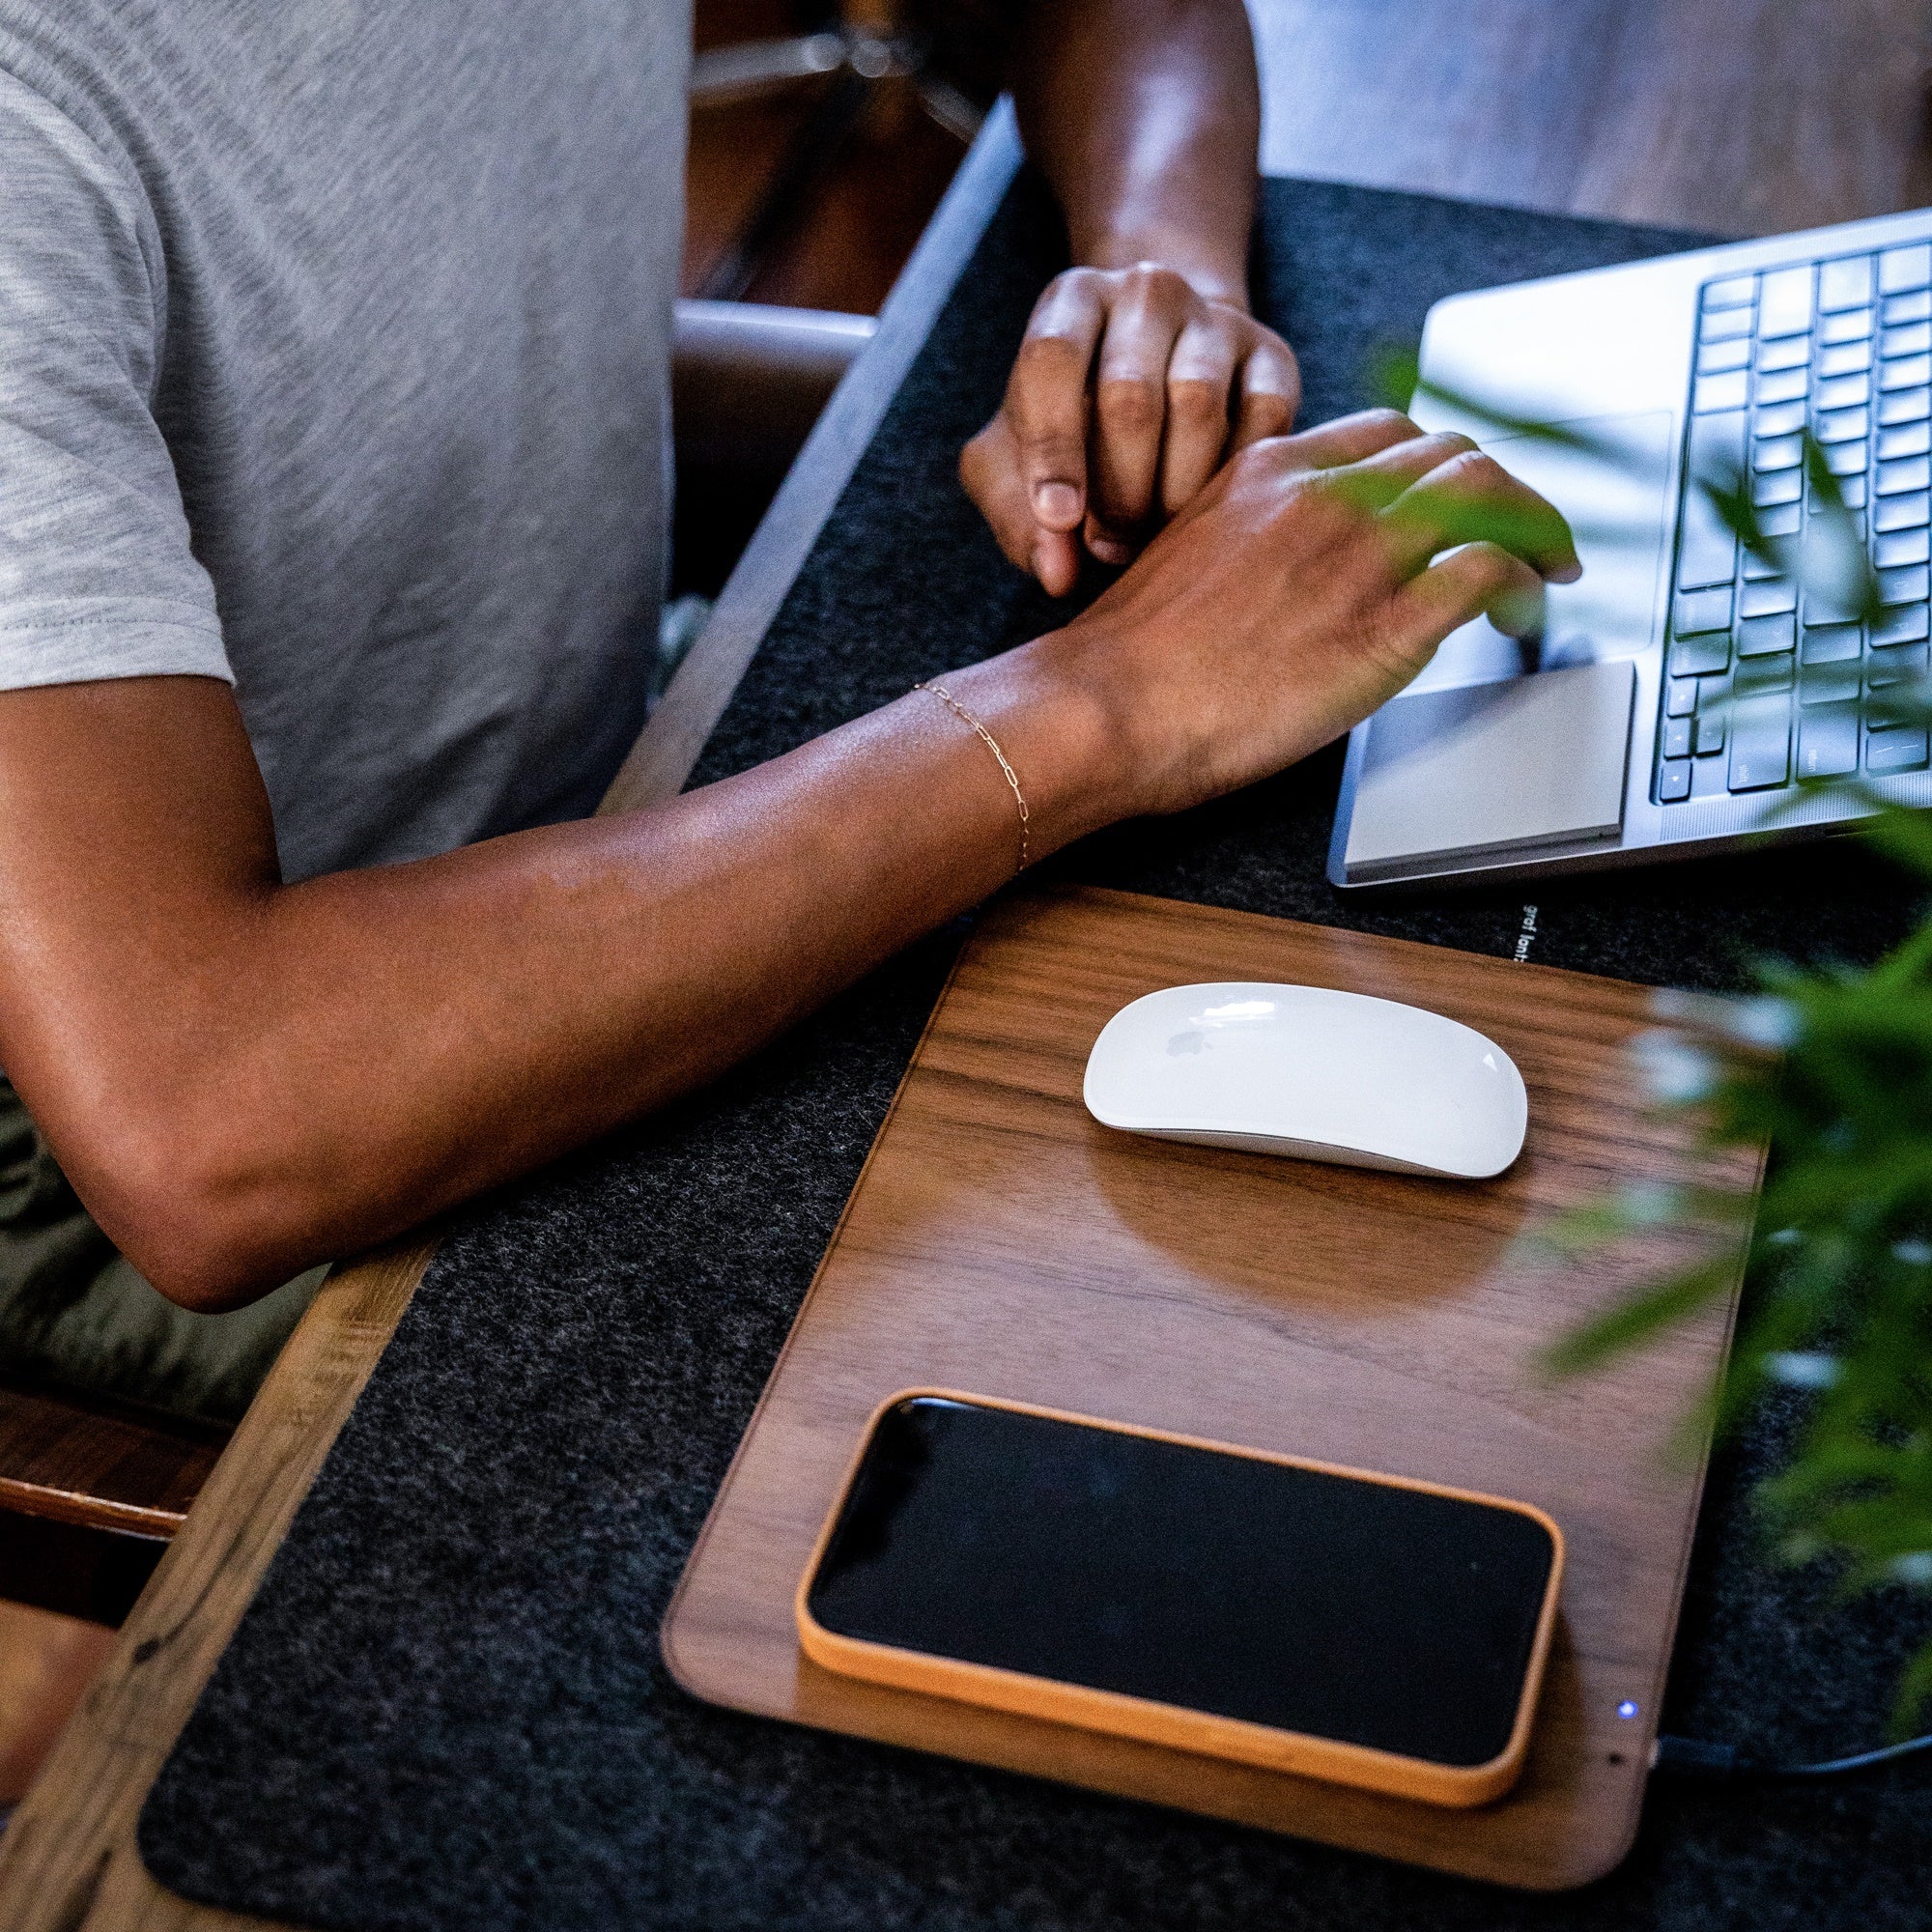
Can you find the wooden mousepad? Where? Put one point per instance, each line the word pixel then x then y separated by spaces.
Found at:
pixel 1001 1242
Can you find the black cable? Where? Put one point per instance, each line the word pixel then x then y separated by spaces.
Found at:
pixel 1695 1757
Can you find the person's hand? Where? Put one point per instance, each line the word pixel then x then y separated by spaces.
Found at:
pixel 1306 584
pixel 1129 391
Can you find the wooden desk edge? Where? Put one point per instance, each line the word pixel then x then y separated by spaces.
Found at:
pixel 68 1859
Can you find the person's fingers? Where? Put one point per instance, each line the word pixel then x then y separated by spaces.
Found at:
pixel 1130 397
pixel 1109 546
pixel 1378 478
pixel 1348 439
pixel 1054 560
pixel 1200 380
pixel 1480 579
pixel 1270 390
pixel 1046 399
pixel 1469 498
pixel 989 468
pixel 989 471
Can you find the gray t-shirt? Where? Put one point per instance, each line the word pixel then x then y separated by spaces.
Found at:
pixel 333 345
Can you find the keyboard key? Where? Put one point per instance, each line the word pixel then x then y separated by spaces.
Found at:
pixel 1831 604
pixel 1909 338
pixel 1781 486
pixel 1908 267
pixel 1907 586
pixel 1757 675
pixel 1900 546
pixel 1904 406
pixel 1733 291
pixel 1896 751
pixel 1907 439
pixel 1677 738
pixel 1793 352
pixel 1902 626
pixel 1784 386
pixel 1761 744
pixel 1780 418
pixel 1673 782
pixel 1708 551
pixel 1828 742
pixel 1780 520
pixel 1700 657
pixel 1764 600
pixel 1843 425
pixel 1777 452
pixel 1842 392
pixel 1854 325
pixel 1851 494
pixel 1710 730
pixel 1728 391
pixel 1758 568
pixel 1913 307
pixel 1902 372
pixel 1895 663
pixel 1725 327
pixel 1847 359
pixel 1832 683
pixel 1846 458
pixel 1716 357
pixel 1766 636
pixel 1845 284
pixel 1899 513
pixel 1700 610
pixel 1832 643
pixel 1682 698
pixel 1784 302
pixel 1908 472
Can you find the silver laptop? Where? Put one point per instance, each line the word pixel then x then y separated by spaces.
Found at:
pixel 1683 687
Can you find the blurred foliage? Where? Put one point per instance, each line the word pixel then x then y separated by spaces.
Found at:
pixel 1832 1068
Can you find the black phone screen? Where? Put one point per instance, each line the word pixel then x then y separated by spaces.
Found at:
pixel 1323 1603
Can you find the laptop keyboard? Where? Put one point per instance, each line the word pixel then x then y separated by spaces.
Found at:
pixel 1769 680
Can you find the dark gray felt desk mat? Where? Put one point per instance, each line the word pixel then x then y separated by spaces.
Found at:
pixel 446 1710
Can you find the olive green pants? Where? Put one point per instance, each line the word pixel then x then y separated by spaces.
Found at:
pixel 75 1315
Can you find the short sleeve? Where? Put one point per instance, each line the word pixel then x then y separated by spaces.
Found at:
pixel 98 578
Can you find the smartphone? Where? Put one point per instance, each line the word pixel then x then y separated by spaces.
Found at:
pixel 1368 1630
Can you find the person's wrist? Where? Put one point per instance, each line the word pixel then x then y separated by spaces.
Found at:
pixel 1212 277
pixel 1062 725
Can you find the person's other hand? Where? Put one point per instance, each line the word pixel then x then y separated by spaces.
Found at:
pixel 1310 581
pixel 1129 391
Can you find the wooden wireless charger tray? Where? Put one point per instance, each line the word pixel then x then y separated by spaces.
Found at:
pixel 1000 1240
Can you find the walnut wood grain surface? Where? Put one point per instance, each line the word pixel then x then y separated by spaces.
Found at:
pixel 1817 92
pixel 1003 1243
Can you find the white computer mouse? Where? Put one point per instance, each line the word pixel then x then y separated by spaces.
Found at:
pixel 1306 1071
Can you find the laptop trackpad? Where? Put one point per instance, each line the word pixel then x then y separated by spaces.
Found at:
pixel 1527 761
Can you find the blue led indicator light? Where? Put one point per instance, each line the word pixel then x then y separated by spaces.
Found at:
pixel 1628 1708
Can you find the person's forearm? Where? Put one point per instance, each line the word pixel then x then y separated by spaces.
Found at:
pixel 1145 116
pixel 277 1075
pixel 242 1078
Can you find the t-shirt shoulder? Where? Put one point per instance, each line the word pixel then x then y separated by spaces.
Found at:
pixel 98 578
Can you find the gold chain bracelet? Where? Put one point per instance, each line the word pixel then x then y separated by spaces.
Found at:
pixel 965 717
